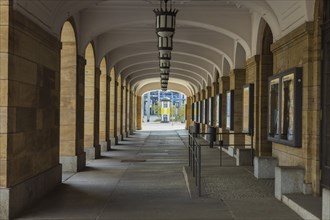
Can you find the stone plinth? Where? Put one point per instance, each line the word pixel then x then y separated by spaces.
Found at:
pixel 264 167
pixel 288 180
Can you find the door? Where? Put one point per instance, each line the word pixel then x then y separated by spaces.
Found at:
pixel 325 125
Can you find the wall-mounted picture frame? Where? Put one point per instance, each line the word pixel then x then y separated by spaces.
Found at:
pixel 248 108
pixel 230 110
pixel 192 112
pixel 205 111
pixel 210 113
pixel 285 107
pixel 218 111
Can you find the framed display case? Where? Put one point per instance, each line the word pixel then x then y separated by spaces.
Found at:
pixel 205 111
pixel 285 107
pixel 197 112
pixel 210 108
pixel 200 112
pixel 230 110
pixel 248 108
pixel 218 110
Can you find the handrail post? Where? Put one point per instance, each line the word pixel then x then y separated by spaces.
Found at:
pixel 252 150
pixel 199 171
pixel 193 158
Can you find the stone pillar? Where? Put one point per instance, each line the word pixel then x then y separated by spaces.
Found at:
pixel 112 108
pixel 103 109
pixel 237 81
pixel 139 113
pixel 122 112
pixel 29 112
pixel 72 155
pixel 107 116
pixel 127 110
pixel 131 113
pixel 119 105
pixel 215 92
pixel 224 86
pixel 97 146
pixel 117 112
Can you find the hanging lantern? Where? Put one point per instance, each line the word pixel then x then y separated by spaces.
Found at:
pixel 165 46
pixel 164 63
pixel 165 19
pixel 165 76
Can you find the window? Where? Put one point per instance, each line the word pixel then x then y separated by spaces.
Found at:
pixel 210 111
pixel 248 108
pixel 219 110
pixel 285 107
pixel 230 110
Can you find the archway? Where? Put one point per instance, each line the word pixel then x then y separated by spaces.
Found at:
pixel 68 99
pixel 266 70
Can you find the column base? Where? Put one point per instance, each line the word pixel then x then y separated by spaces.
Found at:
pixel 264 167
pixel 112 141
pixel 119 137
pixel 131 132
pixel 93 153
pixel 288 180
pixel 19 197
pixel 105 146
pixel 325 203
pixel 73 163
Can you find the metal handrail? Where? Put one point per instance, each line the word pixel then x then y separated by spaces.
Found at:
pixel 195 161
pixel 195 154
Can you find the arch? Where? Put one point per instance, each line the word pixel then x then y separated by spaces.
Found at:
pixel 240 56
pixel 68 96
pixel 89 97
pixel 103 101
pixel 264 148
pixel 155 86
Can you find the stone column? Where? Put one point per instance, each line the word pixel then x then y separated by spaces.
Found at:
pixel 112 109
pixel 223 88
pixel 131 113
pixel 237 81
pixel 118 110
pixel 138 113
pixel 107 116
pixel 127 110
pixel 29 112
pixel 122 111
pixel 97 146
pixel 116 113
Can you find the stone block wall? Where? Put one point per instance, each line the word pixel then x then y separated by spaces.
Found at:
pixel 300 48
pixel 237 81
pixel 29 101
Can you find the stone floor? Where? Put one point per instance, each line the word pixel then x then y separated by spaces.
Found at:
pixel 142 179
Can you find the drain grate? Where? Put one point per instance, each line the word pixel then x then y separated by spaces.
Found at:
pixel 132 161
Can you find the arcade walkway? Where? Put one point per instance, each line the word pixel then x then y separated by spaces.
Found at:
pixel 142 179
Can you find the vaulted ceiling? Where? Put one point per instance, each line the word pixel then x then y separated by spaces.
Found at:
pixel 212 36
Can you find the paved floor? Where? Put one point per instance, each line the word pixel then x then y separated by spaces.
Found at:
pixel 142 179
